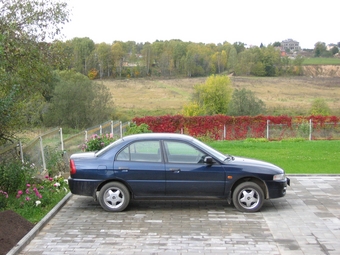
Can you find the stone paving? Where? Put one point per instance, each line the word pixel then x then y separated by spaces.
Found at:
pixel 305 221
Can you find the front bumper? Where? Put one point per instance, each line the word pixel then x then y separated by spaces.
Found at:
pixel 277 189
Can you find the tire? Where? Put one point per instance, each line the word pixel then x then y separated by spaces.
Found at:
pixel 248 197
pixel 114 197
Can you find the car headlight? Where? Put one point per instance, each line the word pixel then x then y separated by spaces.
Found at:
pixel 279 177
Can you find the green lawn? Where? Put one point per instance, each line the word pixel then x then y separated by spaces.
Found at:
pixel 303 157
pixel 321 61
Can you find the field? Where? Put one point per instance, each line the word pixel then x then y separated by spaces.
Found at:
pixel 282 95
pixel 321 61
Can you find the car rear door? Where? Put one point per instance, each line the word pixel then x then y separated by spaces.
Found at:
pixel 188 176
pixel 141 166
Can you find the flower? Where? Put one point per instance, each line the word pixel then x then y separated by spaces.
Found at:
pixel 28 185
pixel 37 203
pixel 27 199
pixel 4 193
pixel 57 184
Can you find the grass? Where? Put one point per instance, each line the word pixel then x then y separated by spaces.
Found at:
pixel 321 61
pixel 299 157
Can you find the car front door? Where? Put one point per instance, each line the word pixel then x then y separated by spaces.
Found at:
pixel 188 176
pixel 141 166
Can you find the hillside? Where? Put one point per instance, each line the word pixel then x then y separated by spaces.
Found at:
pixel 322 70
pixel 285 95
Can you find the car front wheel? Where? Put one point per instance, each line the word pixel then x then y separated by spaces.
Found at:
pixel 114 197
pixel 248 197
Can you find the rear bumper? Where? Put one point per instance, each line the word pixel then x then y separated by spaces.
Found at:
pixel 83 187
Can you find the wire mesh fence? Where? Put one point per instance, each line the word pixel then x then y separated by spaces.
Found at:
pixel 40 150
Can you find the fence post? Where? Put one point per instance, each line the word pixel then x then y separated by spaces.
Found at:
pixel 42 153
pixel 112 127
pixel 100 130
pixel 310 129
pixel 21 152
pixel 85 136
pixel 224 132
pixel 121 129
pixel 61 140
pixel 268 129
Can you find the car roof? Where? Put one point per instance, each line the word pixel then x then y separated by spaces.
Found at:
pixel 158 136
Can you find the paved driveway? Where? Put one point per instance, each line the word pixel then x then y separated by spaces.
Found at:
pixel 306 221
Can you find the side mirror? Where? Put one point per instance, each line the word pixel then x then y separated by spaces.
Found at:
pixel 208 160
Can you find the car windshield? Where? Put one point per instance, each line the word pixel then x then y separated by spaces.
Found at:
pixel 211 151
pixel 115 143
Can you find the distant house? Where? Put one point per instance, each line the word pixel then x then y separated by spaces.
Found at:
pixel 291 45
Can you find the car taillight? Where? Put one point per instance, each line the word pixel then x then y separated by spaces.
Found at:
pixel 72 167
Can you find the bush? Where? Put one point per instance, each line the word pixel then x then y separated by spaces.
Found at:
pixel 3 199
pixel 41 193
pixel 14 174
pixel 135 129
pixel 55 161
pixel 320 107
pixel 98 142
pixel 244 103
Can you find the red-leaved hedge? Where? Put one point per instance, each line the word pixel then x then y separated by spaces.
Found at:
pixel 228 127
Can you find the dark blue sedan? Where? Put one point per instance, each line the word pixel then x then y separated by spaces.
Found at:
pixel 172 166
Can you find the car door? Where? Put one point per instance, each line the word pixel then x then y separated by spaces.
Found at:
pixel 187 175
pixel 141 166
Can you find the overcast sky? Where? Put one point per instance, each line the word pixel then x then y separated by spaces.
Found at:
pixel 215 21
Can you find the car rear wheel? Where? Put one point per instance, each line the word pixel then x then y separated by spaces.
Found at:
pixel 114 197
pixel 248 197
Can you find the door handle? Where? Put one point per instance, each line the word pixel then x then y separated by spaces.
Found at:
pixel 175 170
pixel 124 169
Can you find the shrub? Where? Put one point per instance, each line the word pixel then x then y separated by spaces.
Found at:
pixel 320 107
pixel 97 142
pixel 41 193
pixel 3 199
pixel 244 103
pixel 55 162
pixel 14 174
pixel 135 129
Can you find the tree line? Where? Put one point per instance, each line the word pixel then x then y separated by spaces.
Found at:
pixel 172 58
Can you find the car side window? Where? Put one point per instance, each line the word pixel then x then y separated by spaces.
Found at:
pixel 179 152
pixel 141 151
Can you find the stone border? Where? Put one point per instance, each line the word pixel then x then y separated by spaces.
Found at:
pixel 36 229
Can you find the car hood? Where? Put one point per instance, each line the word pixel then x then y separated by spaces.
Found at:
pixel 254 163
pixel 84 155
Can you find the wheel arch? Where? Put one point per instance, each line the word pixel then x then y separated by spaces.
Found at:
pixel 256 180
pixel 99 187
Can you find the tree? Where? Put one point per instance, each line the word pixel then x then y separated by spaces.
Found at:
pixel 118 53
pixel 25 60
pixel 82 49
pixel 239 47
pixel 335 50
pixel 232 59
pixel 78 102
pixel 276 44
pixel 319 49
pixel 245 103
pixel 213 96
